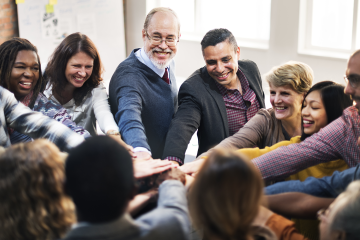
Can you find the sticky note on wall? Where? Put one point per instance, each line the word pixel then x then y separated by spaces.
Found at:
pixel 49 8
pixel 52 2
pixel 19 1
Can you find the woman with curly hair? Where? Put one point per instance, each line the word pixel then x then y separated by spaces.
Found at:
pixel 74 81
pixel 32 200
pixel 20 73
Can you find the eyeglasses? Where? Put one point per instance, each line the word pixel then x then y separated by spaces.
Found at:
pixel 322 214
pixel 156 40
pixel 354 81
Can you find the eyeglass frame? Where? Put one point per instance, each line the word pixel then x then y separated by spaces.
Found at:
pixel 162 40
pixel 352 84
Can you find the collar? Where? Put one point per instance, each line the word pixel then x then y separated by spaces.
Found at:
pixel 143 57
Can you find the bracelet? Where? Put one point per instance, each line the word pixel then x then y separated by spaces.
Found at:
pixel 113 132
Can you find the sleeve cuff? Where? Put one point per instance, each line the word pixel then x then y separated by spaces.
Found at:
pixel 174 159
pixel 142 149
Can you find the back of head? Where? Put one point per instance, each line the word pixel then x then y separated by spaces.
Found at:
pixel 33 204
pixel 334 99
pixel 215 36
pixel 55 70
pixel 347 217
pixel 226 195
pixel 298 75
pixel 99 178
pixel 8 53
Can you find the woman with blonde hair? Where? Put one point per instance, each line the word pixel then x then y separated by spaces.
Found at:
pixel 32 200
pixel 225 201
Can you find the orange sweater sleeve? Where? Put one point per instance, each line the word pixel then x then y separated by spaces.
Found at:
pixel 283 228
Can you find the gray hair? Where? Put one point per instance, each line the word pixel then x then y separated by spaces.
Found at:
pixel 347 219
pixel 296 74
pixel 160 9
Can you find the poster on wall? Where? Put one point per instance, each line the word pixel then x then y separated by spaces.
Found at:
pixel 50 25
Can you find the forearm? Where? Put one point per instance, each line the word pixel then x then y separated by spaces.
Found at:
pixel 102 110
pixel 140 201
pixel 36 125
pixel 298 205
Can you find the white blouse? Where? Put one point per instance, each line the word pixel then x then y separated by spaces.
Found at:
pixel 94 107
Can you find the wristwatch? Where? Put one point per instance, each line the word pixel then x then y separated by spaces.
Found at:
pixel 113 132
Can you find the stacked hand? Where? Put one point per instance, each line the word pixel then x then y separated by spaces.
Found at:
pixel 148 168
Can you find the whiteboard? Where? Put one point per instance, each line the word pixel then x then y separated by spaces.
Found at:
pixel 101 20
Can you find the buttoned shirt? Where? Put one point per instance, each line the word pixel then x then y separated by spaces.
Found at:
pixel 19 117
pixel 240 108
pixel 338 140
pixel 238 113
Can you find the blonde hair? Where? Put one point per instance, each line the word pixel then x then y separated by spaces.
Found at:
pixel 225 197
pixel 32 200
pixel 160 9
pixel 296 74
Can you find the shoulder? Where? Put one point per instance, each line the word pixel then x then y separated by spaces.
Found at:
pixel 248 64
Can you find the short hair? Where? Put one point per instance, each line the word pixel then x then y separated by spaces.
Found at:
pixel 55 70
pixel 225 197
pixel 298 75
pixel 334 100
pixel 160 9
pixel 8 53
pixel 32 199
pixel 99 178
pixel 215 36
pixel 347 219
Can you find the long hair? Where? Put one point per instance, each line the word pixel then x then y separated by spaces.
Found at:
pixel 55 70
pixel 333 98
pixel 225 197
pixel 8 53
pixel 32 200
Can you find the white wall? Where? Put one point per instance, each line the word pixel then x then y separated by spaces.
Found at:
pixel 282 46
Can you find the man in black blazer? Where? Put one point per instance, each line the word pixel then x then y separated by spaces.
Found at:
pixel 217 100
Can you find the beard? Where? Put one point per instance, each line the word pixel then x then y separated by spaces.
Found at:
pixel 160 64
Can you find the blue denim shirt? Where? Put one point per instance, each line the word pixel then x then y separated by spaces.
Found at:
pixel 330 186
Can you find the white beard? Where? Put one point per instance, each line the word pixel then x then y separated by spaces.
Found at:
pixel 160 65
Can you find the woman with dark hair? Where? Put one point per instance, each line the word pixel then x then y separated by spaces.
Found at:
pixel 225 202
pixel 74 81
pixel 32 199
pixel 20 73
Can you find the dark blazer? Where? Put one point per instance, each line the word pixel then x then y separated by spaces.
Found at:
pixel 202 108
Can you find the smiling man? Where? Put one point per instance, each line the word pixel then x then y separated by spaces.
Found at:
pixel 143 93
pixel 217 100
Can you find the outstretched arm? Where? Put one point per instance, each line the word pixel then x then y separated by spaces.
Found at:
pixel 298 205
pixel 184 124
pixel 35 124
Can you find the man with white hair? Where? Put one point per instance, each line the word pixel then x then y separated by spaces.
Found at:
pixel 143 93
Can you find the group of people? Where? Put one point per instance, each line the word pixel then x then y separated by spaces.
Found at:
pixel 304 151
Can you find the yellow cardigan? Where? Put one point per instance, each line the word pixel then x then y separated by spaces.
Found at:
pixel 317 171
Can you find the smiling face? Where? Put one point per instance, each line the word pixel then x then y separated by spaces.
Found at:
pixel 286 102
pixel 353 70
pixel 78 69
pixel 222 63
pixel 313 113
pixel 24 74
pixel 162 25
